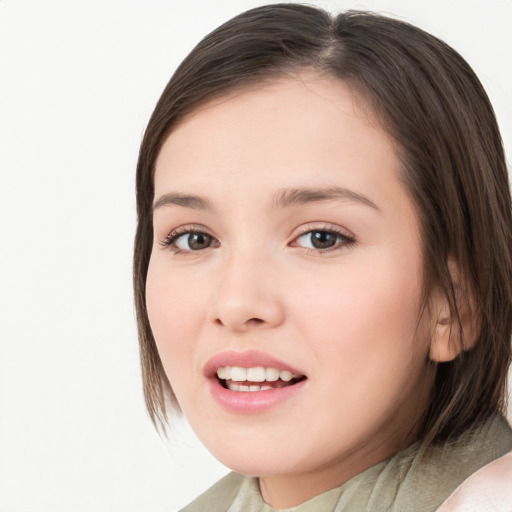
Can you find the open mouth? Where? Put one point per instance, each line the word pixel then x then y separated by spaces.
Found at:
pixel 259 378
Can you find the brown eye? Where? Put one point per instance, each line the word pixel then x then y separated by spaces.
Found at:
pixel 323 239
pixel 193 241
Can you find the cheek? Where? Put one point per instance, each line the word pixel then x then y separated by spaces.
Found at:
pixel 366 318
pixel 364 339
pixel 175 317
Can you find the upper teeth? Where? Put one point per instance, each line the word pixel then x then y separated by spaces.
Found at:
pixel 256 374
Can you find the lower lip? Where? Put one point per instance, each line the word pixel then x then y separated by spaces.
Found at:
pixel 251 402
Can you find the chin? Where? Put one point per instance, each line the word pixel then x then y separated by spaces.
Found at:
pixel 257 458
pixel 257 466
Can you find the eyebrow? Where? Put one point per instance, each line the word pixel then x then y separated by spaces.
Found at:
pixel 284 198
pixel 300 196
pixel 184 200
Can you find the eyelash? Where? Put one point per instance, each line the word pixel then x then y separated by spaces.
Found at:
pixel 344 240
pixel 170 240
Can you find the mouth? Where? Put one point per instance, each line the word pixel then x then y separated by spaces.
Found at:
pixel 252 382
pixel 256 378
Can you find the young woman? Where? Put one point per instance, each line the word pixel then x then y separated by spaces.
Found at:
pixel 322 265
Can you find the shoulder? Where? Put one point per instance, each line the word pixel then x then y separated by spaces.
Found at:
pixel 219 496
pixel 489 489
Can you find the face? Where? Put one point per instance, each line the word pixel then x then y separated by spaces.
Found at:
pixel 284 285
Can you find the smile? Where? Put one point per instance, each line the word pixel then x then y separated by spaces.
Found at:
pixel 237 378
pixel 251 382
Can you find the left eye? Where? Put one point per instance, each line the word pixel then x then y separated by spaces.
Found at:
pixel 321 239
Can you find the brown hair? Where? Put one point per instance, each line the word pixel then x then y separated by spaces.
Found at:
pixel 432 104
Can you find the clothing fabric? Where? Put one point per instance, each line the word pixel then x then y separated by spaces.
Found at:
pixel 413 480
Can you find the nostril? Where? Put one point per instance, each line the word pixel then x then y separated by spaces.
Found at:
pixel 249 322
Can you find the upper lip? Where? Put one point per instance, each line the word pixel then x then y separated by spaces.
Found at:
pixel 246 359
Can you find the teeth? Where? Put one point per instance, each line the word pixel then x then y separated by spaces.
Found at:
pixel 256 374
pixel 234 386
pixel 239 374
pixel 271 374
pixel 286 376
pixel 223 371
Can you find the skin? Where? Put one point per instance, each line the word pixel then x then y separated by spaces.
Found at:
pixel 348 317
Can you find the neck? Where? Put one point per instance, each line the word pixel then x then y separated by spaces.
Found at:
pixel 285 491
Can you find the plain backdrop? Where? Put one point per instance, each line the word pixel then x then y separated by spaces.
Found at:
pixel 78 81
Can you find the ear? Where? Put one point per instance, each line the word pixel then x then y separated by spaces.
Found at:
pixel 448 341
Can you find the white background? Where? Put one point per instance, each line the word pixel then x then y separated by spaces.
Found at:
pixel 78 81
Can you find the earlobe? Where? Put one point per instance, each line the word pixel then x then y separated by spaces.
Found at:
pixel 446 343
pixel 448 340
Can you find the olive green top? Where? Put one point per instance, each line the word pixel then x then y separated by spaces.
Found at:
pixel 410 481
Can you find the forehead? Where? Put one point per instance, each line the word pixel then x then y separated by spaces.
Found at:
pixel 298 131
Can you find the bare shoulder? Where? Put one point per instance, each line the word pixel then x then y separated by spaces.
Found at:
pixel 489 489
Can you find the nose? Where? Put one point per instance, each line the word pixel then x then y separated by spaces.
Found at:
pixel 247 295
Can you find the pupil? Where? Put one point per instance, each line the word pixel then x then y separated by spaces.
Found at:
pixel 198 241
pixel 323 239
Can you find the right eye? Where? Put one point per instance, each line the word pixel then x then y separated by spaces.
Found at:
pixel 189 240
